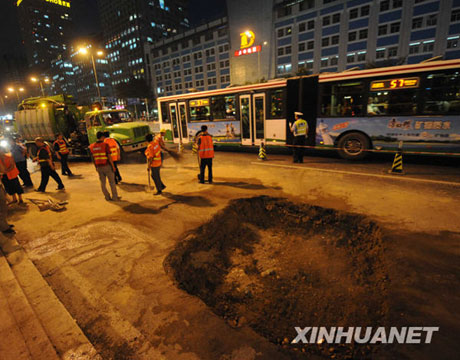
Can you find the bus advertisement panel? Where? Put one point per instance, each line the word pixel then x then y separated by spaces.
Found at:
pixel 422 133
pixel 221 131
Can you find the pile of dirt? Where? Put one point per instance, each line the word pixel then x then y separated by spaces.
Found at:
pixel 273 265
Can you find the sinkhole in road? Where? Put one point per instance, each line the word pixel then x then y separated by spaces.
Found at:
pixel 272 265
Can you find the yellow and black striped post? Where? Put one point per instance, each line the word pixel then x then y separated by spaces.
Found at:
pixel 262 152
pixel 397 167
pixel 194 148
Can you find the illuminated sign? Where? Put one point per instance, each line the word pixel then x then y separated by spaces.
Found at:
pixel 59 2
pixel 393 84
pixel 247 39
pixel 250 50
pixel 200 102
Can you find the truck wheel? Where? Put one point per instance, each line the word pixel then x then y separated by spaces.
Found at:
pixel 353 146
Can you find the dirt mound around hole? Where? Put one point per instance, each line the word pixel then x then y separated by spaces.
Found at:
pixel 272 265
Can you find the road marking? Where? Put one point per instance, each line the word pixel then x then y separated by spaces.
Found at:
pixel 398 177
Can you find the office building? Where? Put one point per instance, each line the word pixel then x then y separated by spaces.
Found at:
pixel 46 27
pixel 197 59
pixel 128 24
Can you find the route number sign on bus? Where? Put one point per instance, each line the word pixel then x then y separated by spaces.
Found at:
pixel 394 84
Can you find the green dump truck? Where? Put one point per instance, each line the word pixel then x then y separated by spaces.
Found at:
pixel 48 116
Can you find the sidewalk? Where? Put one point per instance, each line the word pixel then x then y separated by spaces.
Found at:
pixel 35 325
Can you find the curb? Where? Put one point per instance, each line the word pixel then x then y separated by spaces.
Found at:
pixel 62 330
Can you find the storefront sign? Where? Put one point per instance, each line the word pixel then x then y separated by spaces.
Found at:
pixel 251 50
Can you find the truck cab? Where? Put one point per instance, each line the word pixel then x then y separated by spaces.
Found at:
pixel 129 134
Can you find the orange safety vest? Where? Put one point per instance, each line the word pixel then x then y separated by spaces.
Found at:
pixel 153 153
pixel 44 147
pixel 114 149
pixel 62 147
pixel 206 150
pixel 99 151
pixel 7 161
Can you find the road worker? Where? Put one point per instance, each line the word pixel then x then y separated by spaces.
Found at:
pixel 4 226
pixel 206 153
pixel 62 153
pixel 160 139
pixel 19 153
pixel 46 163
pixel 153 154
pixel 115 153
pixel 10 177
pixel 102 159
pixel 299 128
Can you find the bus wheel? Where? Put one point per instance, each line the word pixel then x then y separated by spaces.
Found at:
pixel 353 146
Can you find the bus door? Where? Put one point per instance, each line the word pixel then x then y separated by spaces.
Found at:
pixel 179 122
pixel 258 124
pixel 252 119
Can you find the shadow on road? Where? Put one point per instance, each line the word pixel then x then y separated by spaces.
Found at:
pixel 132 187
pixel 245 185
pixel 192 200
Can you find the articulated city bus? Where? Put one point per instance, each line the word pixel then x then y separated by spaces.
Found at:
pixel 352 112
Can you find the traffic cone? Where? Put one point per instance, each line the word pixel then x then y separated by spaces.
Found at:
pixel 262 152
pixel 397 167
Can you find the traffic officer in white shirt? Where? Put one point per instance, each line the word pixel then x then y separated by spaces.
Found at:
pixel 299 128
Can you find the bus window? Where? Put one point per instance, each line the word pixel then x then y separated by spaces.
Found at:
pixel 342 99
pixel 392 102
pixel 200 110
pixel 165 113
pixel 223 107
pixel 442 93
pixel 276 104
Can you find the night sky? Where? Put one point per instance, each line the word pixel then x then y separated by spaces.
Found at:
pixel 86 14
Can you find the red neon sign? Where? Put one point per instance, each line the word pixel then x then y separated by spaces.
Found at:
pixel 247 51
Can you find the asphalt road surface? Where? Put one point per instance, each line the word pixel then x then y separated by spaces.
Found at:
pixel 105 260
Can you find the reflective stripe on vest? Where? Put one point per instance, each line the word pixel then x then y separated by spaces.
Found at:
pixel 300 127
pixel 206 150
pixel 62 146
pixel 7 162
pixel 99 151
pixel 114 150
pixel 153 152
pixel 49 153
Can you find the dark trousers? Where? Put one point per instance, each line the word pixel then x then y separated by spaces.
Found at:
pixel 298 151
pixel 203 164
pixel 64 167
pixel 117 173
pixel 46 173
pixel 24 173
pixel 155 172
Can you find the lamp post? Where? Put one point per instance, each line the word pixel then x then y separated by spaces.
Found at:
pixel 84 51
pixel 46 80
pixel 11 90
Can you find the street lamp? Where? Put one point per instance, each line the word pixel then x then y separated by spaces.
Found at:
pixel 85 51
pixel 11 90
pixel 46 80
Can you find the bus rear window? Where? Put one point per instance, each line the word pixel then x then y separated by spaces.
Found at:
pixel 342 99
pixel 223 107
pixel 442 93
